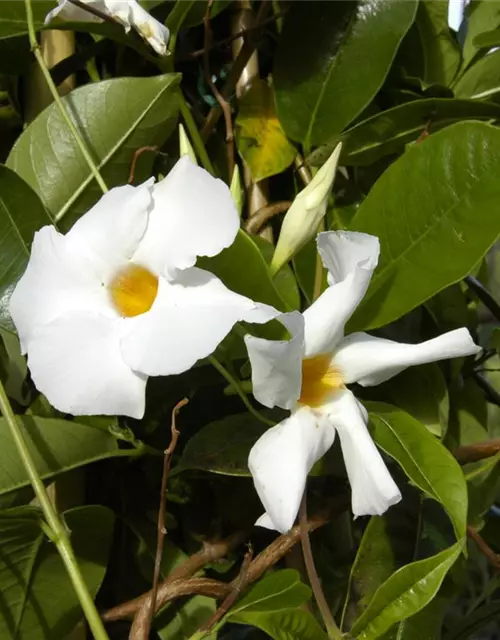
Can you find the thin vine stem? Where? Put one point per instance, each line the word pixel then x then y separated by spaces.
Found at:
pixel 236 384
pixel 198 145
pixel 55 529
pixel 35 47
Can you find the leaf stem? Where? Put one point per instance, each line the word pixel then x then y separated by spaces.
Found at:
pixel 236 384
pixel 331 627
pixel 56 529
pixel 35 47
pixel 195 134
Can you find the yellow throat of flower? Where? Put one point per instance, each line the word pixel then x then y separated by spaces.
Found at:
pixel 319 380
pixel 133 290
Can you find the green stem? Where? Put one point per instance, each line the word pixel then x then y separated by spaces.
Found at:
pixel 195 135
pixel 236 384
pixel 35 47
pixel 56 529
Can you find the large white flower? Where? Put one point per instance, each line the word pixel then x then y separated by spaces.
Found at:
pixel 118 298
pixel 128 13
pixel 308 375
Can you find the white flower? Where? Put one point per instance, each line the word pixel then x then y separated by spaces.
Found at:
pixel 128 13
pixel 118 299
pixel 308 375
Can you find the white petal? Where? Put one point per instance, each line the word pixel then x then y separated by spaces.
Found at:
pixel 373 489
pixel 350 258
pixel 76 362
pixel 112 229
pixel 194 215
pixel 68 11
pixel 369 360
pixel 277 364
pixel 265 522
pixel 281 459
pixel 187 321
pixel 154 32
pixel 57 280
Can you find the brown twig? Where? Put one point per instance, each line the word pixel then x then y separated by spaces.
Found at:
pixel 181 585
pixel 237 586
pixel 93 10
pixel 135 157
pixel 142 622
pixel 492 557
pixel 254 224
pixel 324 609
pixel 234 74
pixel 239 34
pixel 223 103
pixel 477 451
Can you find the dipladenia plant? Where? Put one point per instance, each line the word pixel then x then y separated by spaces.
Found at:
pixel 248 307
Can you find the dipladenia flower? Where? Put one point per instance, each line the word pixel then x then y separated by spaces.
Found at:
pixel 128 13
pixel 309 375
pixel 117 299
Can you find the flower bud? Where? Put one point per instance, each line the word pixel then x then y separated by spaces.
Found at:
pixel 185 146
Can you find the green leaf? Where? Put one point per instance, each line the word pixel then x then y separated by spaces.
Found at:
pixel 421 392
pixel 38 599
pixel 389 131
pixel 284 280
pixel 275 592
pixel 441 53
pixel 482 80
pixel 405 593
pixel 144 112
pixel 15 367
pixel 13 16
pixel 181 620
pixel 428 464
pixel 453 173
pixel 482 16
pixel 425 625
pixel 223 446
pixel 21 214
pixel 260 139
pixel 346 51
pixel 287 624
pixel 244 269
pixel 56 446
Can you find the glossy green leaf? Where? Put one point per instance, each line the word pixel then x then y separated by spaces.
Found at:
pixel 287 624
pixel 405 593
pixel 14 368
pixel 389 131
pixel 182 620
pixel 487 39
pixel 260 140
pixel 144 112
pixel 38 599
pixel 223 446
pixel 440 50
pixel 275 592
pixel 482 16
pixel 243 268
pixel 482 80
pixel 421 392
pixel 284 280
pixel 425 625
pixel 346 50
pixel 453 173
pixel 56 446
pixel 428 464
pixel 13 16
pixel 21 214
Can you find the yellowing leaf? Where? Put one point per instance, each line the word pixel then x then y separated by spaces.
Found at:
pixel 260 139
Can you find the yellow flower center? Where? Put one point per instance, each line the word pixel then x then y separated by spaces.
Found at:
pixel 319 380
pixel 133 290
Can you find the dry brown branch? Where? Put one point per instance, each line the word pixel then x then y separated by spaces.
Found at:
pixel 135 157
pixel 254 224
pixel 237 586
pixel 142 622
pixel 477 451
pixel 492 557
pixel 224 104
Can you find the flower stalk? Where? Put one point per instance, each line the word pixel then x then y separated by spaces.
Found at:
pixel 55 529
